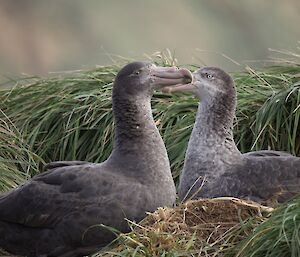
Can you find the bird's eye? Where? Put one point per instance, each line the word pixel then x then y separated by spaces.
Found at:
pixel 137 72
pixel 209 76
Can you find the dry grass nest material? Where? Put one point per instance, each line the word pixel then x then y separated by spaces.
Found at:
pixel 190 229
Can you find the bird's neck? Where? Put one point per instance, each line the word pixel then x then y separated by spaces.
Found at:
pixel 136 135
pixel 214 120
pixel 211 143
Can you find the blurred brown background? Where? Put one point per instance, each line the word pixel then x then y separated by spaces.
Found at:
pixel 40 36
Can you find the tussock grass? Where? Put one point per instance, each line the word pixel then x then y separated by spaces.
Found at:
pixel 277 236
pixel 268 109
pixel 65 118
pixel 17 162
pixel 70 117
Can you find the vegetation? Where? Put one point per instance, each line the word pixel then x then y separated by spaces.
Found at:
pixel 17 162
pixel 70 117
pixel 208 227
pixel 268 109
pixel 277 236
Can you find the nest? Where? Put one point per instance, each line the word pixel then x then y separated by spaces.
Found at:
pixel 207 227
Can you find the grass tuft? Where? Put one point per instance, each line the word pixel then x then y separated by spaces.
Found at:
pixel 277 236
pixel 17 162
pixel 70 118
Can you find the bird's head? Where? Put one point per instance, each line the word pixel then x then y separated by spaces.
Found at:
pixel 138 78
pixel 208 83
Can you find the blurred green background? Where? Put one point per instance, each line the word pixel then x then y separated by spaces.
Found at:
pixel 40 36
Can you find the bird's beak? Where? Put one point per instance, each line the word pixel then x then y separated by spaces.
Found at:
pixel 179 88
pixel 188 87
pixel 169 76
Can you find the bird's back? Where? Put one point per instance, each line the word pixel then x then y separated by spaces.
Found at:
pixel 72 204
pixel 267 179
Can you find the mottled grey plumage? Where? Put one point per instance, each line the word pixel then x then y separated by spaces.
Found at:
pixel 60 211
pixel 214 166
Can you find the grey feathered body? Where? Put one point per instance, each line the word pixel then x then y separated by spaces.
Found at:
pixel 214 167
pixel 60 211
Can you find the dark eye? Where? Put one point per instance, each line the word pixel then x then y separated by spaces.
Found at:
pixel 137 72
pixel 209 76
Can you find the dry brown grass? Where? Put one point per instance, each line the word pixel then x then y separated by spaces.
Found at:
pixel 207 227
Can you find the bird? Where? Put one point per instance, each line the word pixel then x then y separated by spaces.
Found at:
pixel 69 210
pixel 213 165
